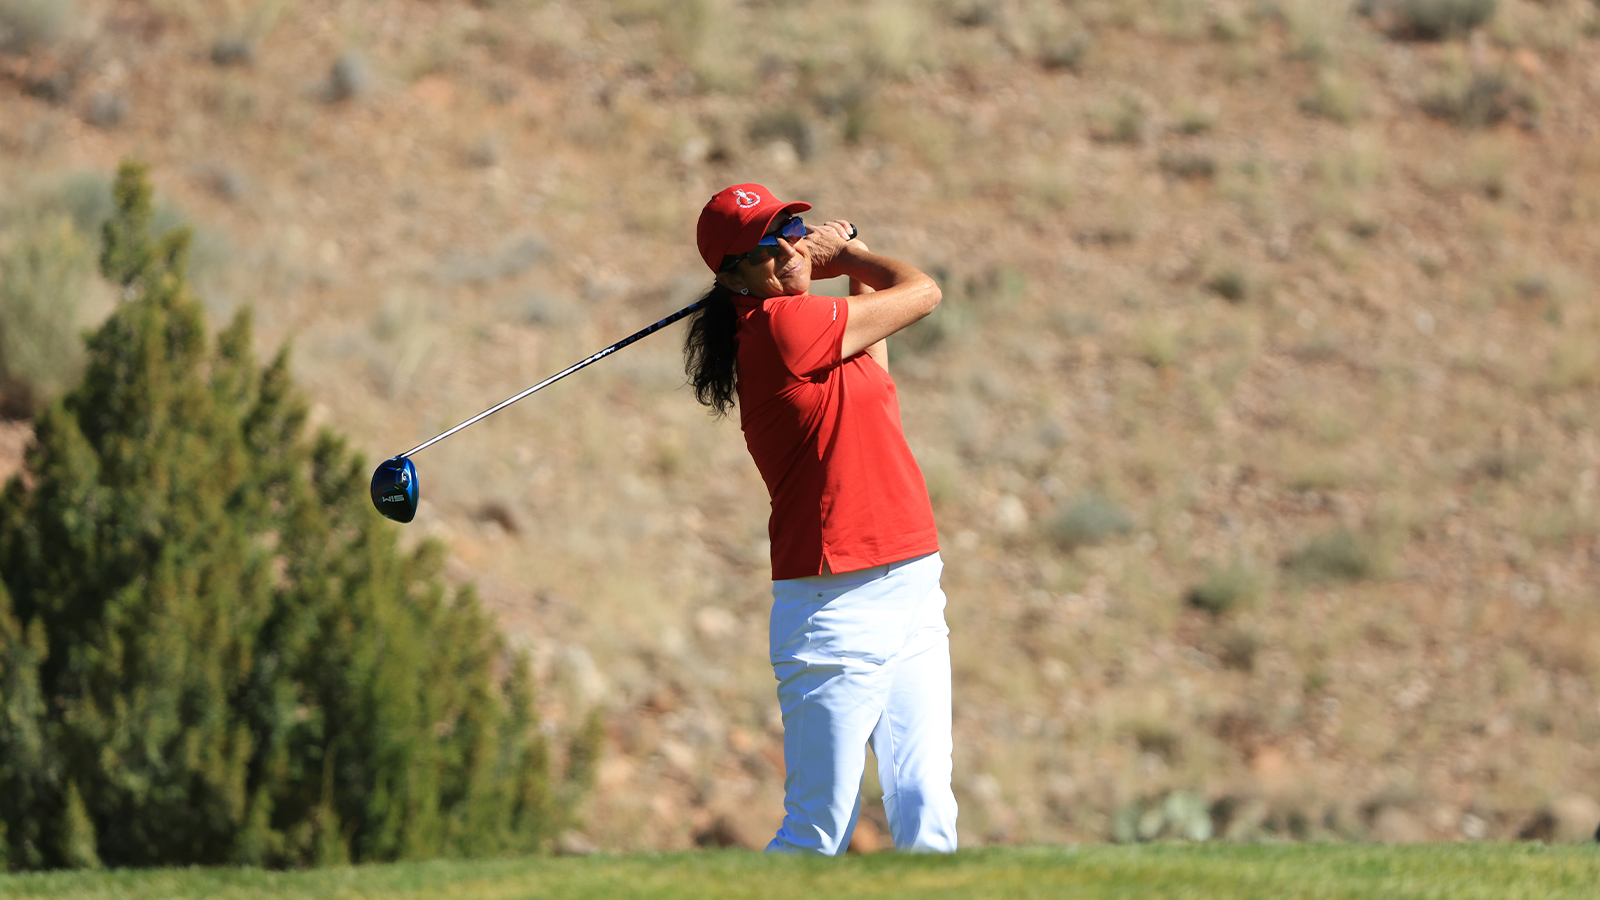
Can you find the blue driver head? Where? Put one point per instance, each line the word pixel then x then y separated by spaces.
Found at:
pixel 394 489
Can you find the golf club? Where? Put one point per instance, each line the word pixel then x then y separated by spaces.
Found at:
pixel 395 491
pixel 394 483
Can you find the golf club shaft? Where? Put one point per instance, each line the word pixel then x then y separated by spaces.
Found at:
pixel 645 332
pixel 558 376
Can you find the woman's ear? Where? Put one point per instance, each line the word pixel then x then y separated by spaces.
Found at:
pixel 727 280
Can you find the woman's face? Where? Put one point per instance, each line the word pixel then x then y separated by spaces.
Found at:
pixel 782 271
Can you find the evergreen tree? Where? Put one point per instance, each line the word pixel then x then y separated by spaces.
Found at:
pixel 211 651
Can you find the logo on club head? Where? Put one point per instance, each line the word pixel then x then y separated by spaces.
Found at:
pixel 395 498
pixel 744 200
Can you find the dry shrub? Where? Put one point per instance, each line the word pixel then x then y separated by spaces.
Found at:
pixel 1087 520
pixel 1159 342
pixel 1052 37
pixel 1317 473
pixel 972 13
pixel 1362 165
pixel 1050 34
pixel 1338 555
pixel 44 273
pixel 933 140
pixel 349 77
pixel 1226 588
pixel 1237 650
pixel 1481 100
pixel 243 26
pixel 791 125
pixel 1574 365
pixel 1064 52
pixel 1510 464
pixel 1189 166
pixel 232 100
pixel 1158 738
pixel 853 104
pixel 1180 815
pixel 515 255
pixel 1122 122
pixel 1429 20
pixel 1037 191
pixel 692 31
pixel 1196 118
pixel 403 339
pixel 27 24
pixel 955 320
pixel 1230 284
pixel 1314 26
pixel 897 35
pixel 945 327
pixel 996 287
pixel 1564 641
pixel 1488 169
pixel 1338 98
pixel 1561 526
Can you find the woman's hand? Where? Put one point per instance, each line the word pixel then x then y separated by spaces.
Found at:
pixel 825 244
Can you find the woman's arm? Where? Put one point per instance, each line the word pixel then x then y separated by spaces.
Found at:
pixel 896 294
pixel 879 351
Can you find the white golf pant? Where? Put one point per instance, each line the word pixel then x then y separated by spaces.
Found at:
pixel 864 657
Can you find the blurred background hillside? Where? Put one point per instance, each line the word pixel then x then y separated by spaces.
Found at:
pixel 1259 416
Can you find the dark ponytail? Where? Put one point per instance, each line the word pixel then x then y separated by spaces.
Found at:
pixel 711 350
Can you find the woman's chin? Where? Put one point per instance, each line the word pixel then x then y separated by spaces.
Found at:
pixel 796 284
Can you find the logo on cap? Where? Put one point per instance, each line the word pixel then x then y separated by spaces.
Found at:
pixel 745 200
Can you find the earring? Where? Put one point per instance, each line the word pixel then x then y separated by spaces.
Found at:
pixel 744 290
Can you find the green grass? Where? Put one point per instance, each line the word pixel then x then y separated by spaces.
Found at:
pixel 1444 871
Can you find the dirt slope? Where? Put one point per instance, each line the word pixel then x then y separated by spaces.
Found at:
pixel 1259 414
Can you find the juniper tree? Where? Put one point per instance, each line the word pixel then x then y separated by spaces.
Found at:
pixel 211 650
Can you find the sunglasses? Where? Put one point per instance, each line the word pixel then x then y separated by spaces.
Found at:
pixel 792 230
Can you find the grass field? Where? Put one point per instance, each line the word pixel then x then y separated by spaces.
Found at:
pixel 1454 871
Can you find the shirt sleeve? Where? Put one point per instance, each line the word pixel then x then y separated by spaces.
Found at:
pixel 809 333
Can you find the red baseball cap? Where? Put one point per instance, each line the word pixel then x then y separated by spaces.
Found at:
pixel 736 219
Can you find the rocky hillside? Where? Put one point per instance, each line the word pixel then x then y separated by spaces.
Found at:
pixel 1259 415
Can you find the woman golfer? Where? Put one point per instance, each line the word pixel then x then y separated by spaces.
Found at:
pixel 858 638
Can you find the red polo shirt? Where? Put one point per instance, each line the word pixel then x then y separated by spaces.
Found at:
pixel 825 434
